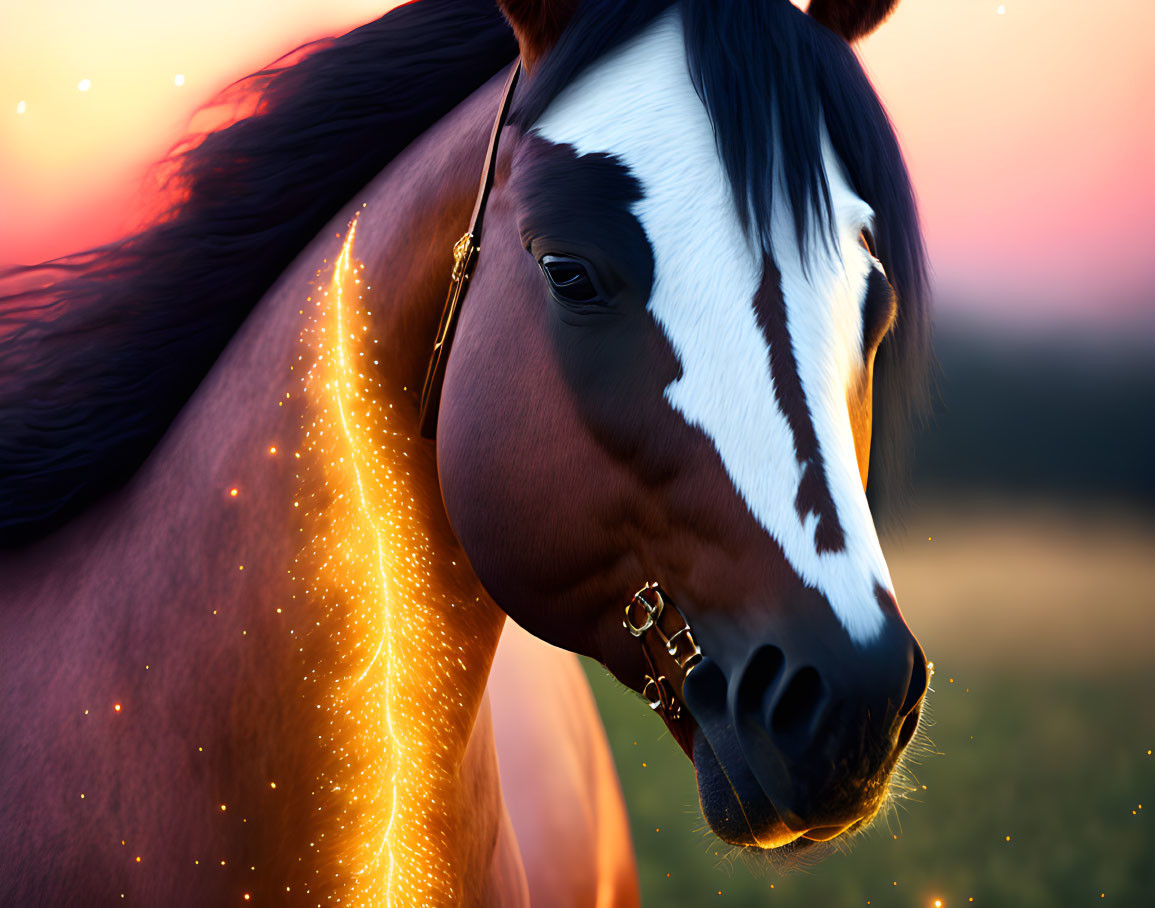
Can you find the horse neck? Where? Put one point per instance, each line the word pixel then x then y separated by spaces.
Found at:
pixel 414 632
pixel 298 462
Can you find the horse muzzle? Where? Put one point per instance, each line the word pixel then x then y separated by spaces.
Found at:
pixel 797 738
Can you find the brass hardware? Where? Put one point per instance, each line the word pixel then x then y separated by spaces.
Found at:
pixel 653 609
pixel 662 693
pixel 464 254
pixel 662 699
pixel 693 657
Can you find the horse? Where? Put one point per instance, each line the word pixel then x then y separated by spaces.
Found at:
pixel 263 641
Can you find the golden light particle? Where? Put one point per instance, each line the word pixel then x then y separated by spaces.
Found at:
pixel 116 707
pixel 234 492
pixel 247 896
pixel 224 807
pixel 138 858
pixel 272 449
pixel 938 903
pixel 1008 838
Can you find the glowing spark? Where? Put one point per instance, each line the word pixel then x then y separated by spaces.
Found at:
pixel 116 707
pixel 178 80
pixel 84 84
pixel 401 670
pixel 272 449
pixel 21 106
pixel 233 492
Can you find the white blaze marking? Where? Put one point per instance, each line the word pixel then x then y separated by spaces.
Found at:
pixel 639 104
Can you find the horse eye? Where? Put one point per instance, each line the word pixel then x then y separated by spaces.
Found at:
pixel 569 279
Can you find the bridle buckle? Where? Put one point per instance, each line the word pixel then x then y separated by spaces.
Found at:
pixel 652 610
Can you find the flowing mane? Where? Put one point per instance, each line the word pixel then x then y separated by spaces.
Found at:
pixel 98 357
pixel 100 350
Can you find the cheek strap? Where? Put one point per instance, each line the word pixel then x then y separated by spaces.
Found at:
pixel 465 252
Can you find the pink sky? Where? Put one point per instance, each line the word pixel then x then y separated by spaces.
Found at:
pixel 1029 132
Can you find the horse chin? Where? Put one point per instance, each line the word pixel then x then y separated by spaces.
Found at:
pixel 733 803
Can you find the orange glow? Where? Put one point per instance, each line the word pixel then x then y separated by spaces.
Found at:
pixel 407 641
pixel 116 707
pixel 272 449
pixel 233 492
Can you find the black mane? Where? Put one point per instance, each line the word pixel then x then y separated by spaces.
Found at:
pixel 770 78
pixel 98 357
pixel 100 350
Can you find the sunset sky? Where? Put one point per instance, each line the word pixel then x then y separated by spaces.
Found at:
pixel 1028 126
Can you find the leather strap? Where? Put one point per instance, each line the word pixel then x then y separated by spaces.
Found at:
pixel 465 252
pixel 671 654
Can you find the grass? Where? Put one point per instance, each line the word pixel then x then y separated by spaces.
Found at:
pixel 1045 743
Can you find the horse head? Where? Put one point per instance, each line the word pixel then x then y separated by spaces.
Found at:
pixel 699 244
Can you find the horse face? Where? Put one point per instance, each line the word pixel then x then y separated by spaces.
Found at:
pixel 639 392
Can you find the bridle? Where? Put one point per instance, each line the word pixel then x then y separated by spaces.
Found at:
pixel 651 616
pixel 671 654
pixel 465 252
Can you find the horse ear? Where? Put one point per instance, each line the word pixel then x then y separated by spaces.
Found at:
pixel 537 24
pixel 853 19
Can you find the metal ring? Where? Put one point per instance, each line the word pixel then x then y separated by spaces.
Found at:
pixel 653 611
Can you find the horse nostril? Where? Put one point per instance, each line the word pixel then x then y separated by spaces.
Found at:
pixel 909 726
pixel 796 713
pixel 756 686
pixel 918 681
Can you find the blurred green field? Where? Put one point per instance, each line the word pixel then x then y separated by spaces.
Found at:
pixel 1041 725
